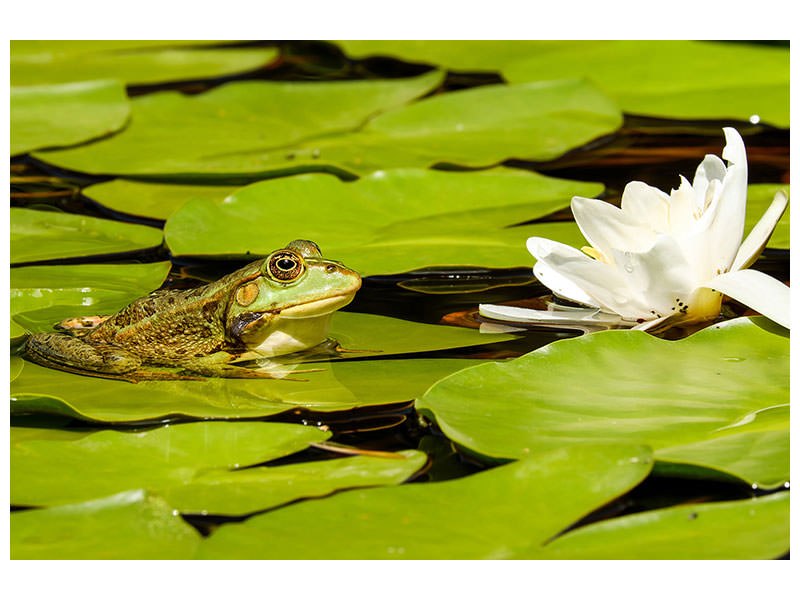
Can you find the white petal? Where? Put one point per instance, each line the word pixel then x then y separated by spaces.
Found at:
pixel 699 243
pixel 728 227
pixel 601 282
pixel 759 236
pixel 682 205
pixel 647 325
pixel 646 205
pixel 661 275
pixel 757 290
pixel 555 317
pixel 712 168
pixel 540 248
pixel 606 227
pixel 560 285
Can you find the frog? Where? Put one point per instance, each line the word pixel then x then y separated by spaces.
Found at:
pixel 278 305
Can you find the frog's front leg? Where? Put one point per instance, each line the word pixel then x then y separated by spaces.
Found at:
pixel 220 364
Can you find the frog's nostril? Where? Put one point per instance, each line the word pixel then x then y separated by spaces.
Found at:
pixel 330 268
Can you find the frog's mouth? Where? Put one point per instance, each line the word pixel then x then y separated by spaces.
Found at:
pixel 315 308
pixel 251 321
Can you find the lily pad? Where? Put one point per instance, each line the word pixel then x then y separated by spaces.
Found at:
pixel 421 192
pixel 46 472
pixel 44 235
pixel 376 335
pixel 42 296
pixel 477 128
pixel 672 78
pixel 742 529
pixel 244 491
pixel 538 121
pixel 389 222
pixel 759 197
pixel 717 399
pixel 493 514
pixel 153 200
pixel 131 525
pixel 229 129
pixel 457 55
pixel 341 385
pixel 132 61
pixel 46 116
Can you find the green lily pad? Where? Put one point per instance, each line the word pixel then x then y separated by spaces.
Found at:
pixel 376 335
pixel 229 129
pixel 341 385
pixel 742 529
pixel 421 192
pixel 246 491
pixel 153 200
pixel 539 121
pixel 132 61
pixel 457 55
pixel 46 472
pixel 16 365
pixel 396 220
pixel 493 514
pixel 44 235
pixel 671 78
pixel 716 399
pixel 131 525
pixel 42 296
pixel 759 197
pixel 45 116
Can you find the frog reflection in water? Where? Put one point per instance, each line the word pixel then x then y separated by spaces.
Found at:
pixel 271 307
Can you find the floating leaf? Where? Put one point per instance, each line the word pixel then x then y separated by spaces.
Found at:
pixel 229 129
pixel 493 514
pixel 42 296
pixel 671 78
pixel 132 61
pixel 716 399
pixel 45 235
pixel 341 385
pixel 45 116
pixel 759 197
pixel 477 127
pixel 538 121
pixel 153 200
pixel 131 525
pixel 46 472
pixel 376 335
pixel 391 221
pixel 250 490
pixel 742 529
pixel 457 55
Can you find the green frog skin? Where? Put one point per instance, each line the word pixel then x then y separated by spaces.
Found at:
pixel 271 307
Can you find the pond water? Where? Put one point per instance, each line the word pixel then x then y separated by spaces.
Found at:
pixel 648 149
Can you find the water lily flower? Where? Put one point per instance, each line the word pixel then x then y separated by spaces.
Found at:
pixel 662 260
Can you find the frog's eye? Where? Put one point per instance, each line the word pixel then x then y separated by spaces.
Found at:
pixel 285 266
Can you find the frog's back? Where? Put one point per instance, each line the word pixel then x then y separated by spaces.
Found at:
pixel 168 324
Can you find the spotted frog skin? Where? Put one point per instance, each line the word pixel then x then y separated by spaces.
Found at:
pixel 274 306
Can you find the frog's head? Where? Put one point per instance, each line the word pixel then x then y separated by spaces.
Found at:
pixel 287 305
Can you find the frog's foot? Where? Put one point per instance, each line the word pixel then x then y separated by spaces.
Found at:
pixel 67 353
pixel 65 350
